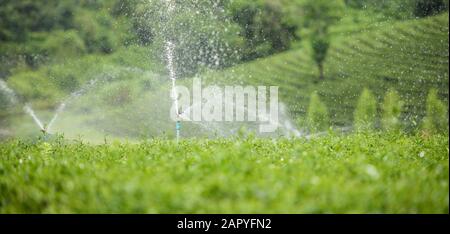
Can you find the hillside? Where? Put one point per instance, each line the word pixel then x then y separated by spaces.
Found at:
pixel 410 56
pixel 131 97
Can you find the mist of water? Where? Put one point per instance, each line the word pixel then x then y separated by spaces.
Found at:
pixel 59 110
pixel 8 92
pixel 153 118
pixel 71 98
pixel 33 115
pixel 169 48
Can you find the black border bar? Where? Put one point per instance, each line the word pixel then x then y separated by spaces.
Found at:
pixel 170 222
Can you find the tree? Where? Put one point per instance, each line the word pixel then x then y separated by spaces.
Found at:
pixel 265 25
pixel 320 46
pixel 392 110
pixel 435 120
pixel 365 113
pixel 401 9
pixel 319 16
pixel 317 118
pixel 36 33
pixel 429 7
pixel 18 18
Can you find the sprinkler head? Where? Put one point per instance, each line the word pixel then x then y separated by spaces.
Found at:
pixel 44 129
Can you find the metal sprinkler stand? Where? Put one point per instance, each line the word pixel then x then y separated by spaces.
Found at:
pixel 44 130
pixel 46 135
pixel 178 128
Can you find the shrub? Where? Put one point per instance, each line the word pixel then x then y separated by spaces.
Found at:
pixel 365 113
pixel 392 110
pixel 317 118
pixel 435 120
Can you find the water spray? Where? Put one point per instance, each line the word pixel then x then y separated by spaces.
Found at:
pixel 55 116
pixel 9 92
pixel 38 122
pixel 169 47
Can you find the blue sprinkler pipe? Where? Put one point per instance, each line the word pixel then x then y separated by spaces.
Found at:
pixel 178 128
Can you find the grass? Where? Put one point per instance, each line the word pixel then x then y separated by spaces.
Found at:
pixel 358 173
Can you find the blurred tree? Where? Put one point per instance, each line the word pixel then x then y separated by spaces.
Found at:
pixel 401 9
pixel 436 119
pixel 392 110
pixel 123 8
pixel 396 9
pixel 320 45
pixel 203 34
pixel 33 33
pixel 319 16
pixel 365 113
pixel 266 27
pixel 17 18
pixel 57 43
pixel 317 118
pixel 96 29
pixel 429 7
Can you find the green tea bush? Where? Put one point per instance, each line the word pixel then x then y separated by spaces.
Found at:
pixel 366 111
pixel 392 111
pixel 318 117
pixel 361 173
pixel 436 119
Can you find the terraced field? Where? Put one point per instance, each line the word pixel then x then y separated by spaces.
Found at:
pixel 410 56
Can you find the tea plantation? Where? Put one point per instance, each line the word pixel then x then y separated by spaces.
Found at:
pixel 358 173
pixel 410 56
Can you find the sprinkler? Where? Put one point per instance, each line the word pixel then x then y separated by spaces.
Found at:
pixel 45 134
pixel 44 129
